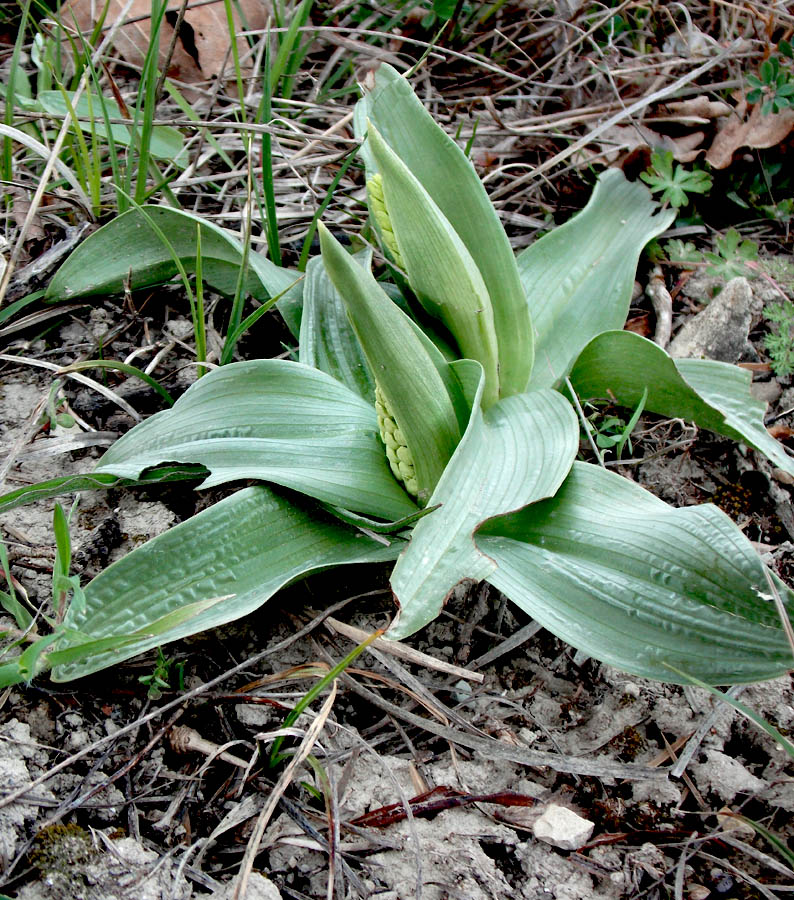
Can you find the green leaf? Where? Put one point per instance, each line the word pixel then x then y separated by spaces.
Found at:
pixel 444 8
pixel 617 573
pixel 327 340
pixel 66 484
pixel 273 420
pixel 127 249
pixel 443 170
pixel 674 184
pixel 32 660
pixel 713 395
pixel 166 142
pixel 768 70
pixel 440 269
pixel 249 545
pixel 516 453
pixel 8 601
pixel 411 374
pixel 579 277
pixel 732 255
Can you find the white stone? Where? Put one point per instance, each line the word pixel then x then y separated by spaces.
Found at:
pixel 562 827
pixel 721 330
pixel 259 888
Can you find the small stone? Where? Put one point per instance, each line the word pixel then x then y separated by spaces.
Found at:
pixel 462 691
pixel 721 330
pixel 562 827
pixel 259 888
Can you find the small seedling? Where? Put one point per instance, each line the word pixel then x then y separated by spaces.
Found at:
pixel 683 253
pixel 780 341
pixel 733 256
pixel 158 681
pixel 613 432
pixel 674 183
pixel 773 87
pixel 52 415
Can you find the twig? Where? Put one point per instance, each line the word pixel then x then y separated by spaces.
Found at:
pixel 506 646
pixel 185 739
pixel 403 651
pixel 241 888
pixel 662 307
pixel 495 749
pixel 705 726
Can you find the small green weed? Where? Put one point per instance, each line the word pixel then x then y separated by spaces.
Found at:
pixel 159 679
pixel 53 415
pixel 780 340
pixel 674 183
pixel 681 253
pixel 612 432
pixel 773 87
pixel 733 255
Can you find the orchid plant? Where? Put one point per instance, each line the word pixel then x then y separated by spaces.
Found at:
pixel 433 425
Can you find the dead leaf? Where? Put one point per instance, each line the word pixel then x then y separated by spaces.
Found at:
pixel 202 50
pixel 20 211
pixel 756 131
pixel 780 431
pixel 620 138
pixel 639 325
pixel 699 107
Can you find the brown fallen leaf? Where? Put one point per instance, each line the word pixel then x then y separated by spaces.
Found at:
pixel 740 130
pixel 615 141
pixel 202 49
pixel 701 107
pixel 780 431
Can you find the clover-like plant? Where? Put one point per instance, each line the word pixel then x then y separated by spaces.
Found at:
pixel 446 439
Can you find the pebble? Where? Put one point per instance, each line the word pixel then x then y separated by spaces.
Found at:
pixel 721 330
pixel 562 827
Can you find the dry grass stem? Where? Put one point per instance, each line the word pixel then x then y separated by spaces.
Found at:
pixel 403 651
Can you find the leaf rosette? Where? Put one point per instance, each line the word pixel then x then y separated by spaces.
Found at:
pixel 474 394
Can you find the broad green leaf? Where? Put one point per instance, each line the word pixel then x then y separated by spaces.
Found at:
pixel 639 585
pixel 327 340
pixel 439 267
pixel 66 484
pixel 128 250
pixel 578 278
pixel 449 178
pixel 276 421
pixel 79 648
pixel 517 452
pixel 249 545
pixel 713 395
pixel 408 375
pixel 166 142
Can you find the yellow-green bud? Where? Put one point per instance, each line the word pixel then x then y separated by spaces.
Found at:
pixel 382 218
pixel 400 458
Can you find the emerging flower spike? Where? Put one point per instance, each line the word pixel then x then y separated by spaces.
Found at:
pixel 419 401
pixel 399 454
pixel 382 217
